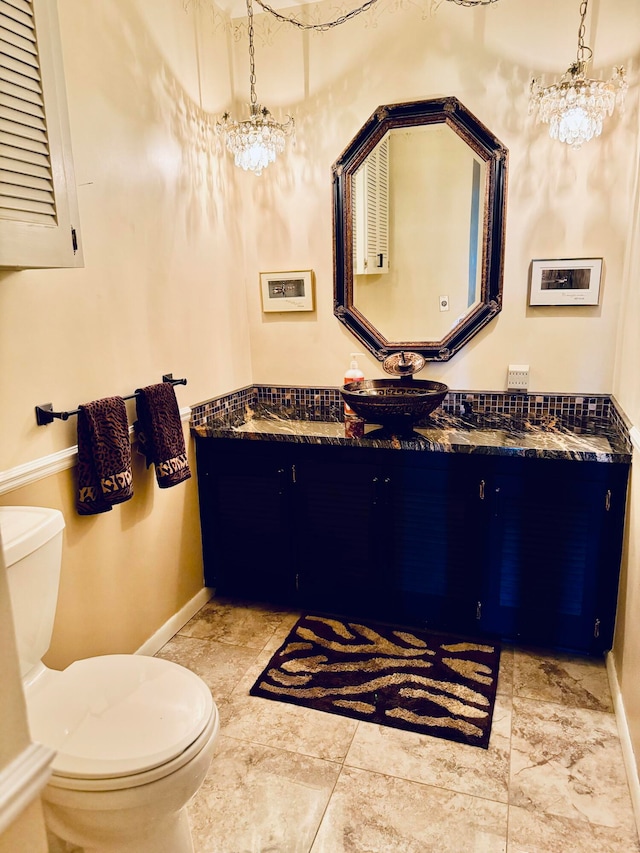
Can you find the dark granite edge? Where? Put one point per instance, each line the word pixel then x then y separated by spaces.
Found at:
pixel 420 444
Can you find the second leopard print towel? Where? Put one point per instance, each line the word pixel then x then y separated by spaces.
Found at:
pixel 159 432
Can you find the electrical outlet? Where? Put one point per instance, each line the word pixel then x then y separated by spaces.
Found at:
pixel 518 377
pixel 444 303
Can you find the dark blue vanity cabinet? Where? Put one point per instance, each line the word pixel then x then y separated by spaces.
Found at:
pixel 554 543
pixel 435 519
pixel 246 513
pixel 387 535
pixel 526 549
pixel 340 521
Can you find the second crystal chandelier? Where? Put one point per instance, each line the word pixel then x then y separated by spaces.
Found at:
pixel 256 141
pixel 575 106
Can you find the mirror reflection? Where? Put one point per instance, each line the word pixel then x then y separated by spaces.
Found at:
pixel 419 225
pixel 428 276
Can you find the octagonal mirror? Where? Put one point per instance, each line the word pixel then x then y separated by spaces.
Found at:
pixel 419 217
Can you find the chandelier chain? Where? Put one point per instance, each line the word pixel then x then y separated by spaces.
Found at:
pixel 322 28
pixel 584 53
pixel 254 142
pixel 252 55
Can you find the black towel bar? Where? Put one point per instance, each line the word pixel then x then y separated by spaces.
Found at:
pixel 46 415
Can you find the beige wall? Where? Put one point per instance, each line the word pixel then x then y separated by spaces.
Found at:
pixel 627 390
pixel 125 572
pixel 27 833
pixel 626 650
pixel 174 240
pixel 159 292
pixel 561 203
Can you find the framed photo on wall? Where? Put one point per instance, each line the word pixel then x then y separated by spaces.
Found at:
pixel 287 291
pixel 573 281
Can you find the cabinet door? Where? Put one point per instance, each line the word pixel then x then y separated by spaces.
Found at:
pixel 551 545
pixel 341 544
pixel 39 223
pixel 435 512
pixel 246 518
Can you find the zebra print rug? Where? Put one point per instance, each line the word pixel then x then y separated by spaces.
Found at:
pixel 416 680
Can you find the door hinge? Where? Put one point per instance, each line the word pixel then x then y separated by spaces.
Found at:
pixel 607 500
pixel 297 582
pixel 596 629
pixel 293 474
pixel 479 610
pixel 74 239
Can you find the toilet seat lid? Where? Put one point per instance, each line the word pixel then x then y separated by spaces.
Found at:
pixel 116 715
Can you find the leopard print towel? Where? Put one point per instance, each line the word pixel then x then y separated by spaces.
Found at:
pixel 104 456
pixel 159 432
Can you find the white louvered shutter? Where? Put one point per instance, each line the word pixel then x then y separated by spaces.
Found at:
pixel 38 211
pixel 371 221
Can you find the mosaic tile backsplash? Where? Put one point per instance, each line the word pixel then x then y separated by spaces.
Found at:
pixel 582 413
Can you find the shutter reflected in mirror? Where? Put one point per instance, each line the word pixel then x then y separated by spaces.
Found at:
pixel 371 212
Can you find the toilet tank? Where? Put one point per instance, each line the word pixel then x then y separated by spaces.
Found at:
pixel 32 547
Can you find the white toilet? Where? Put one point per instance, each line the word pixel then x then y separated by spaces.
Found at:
pixel 134 735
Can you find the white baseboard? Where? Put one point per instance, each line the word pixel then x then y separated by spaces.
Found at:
pixel 625 739
pixel 22 780
pixel 173 625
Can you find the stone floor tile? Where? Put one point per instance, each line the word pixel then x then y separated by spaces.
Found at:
pixel 238 623
pixel 278 724
pixel 505 673
pixel 220 665
pixel 578 682
pixel 257 799
pixel 380 814
pixel 532 832
pixel 436 761
pixel 568 762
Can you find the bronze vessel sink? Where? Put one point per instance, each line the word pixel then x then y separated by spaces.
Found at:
pixel 394 403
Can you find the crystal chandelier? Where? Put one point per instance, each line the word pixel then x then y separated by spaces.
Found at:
pixel 575 106
pixel 256 141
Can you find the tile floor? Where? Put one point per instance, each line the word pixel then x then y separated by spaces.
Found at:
pixel 287 779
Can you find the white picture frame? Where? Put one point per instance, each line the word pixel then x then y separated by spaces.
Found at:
pixel 567 281
pixel 287 291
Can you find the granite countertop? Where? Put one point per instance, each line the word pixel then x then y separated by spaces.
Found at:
pixel 598 440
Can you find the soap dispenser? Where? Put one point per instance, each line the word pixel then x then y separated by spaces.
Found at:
pixel 354 425
pixel 354 374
